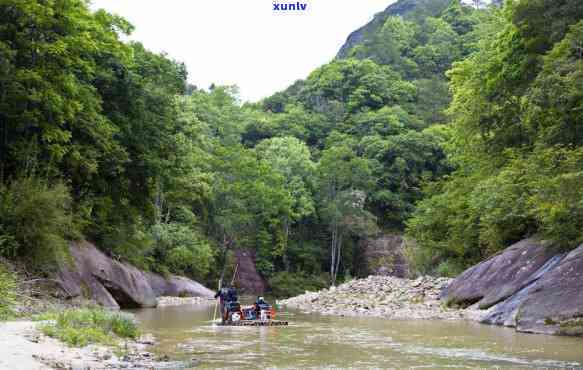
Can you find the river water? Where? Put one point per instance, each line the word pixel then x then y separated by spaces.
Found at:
pixel 185 332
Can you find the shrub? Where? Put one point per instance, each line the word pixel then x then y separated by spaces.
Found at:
pixel 35 220
pixel 181 249
pixel 465 219
pixel 80 327
pixel 288 284
pixel 449 268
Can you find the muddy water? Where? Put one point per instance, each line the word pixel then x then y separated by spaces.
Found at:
pixel 184 332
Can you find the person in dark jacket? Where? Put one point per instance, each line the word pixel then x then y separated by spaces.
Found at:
pixel 226 295
pixel 222 296
pixel 261 304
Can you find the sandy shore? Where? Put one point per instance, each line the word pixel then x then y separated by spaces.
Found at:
pixel 23 347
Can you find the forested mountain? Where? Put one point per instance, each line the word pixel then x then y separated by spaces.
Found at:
pixel 453 123
pixel 380 105
pixel 410 10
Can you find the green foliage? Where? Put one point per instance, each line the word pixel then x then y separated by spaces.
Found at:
pixel 358 84
pixel 79 104
pixel 80 327
pixel 401 164
pixel 291 158
pixel 102 138
pixel 7 293
pixel 51 112
pixel 182 250
pixel 449 269
pixel 36 220
pixel 343 180
pixel 555 178
pixel 288 284
pixel 516 104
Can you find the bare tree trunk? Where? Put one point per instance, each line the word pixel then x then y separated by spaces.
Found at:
pixel 286 236
pixel 338 256
pixel 333 259
pixel 159 211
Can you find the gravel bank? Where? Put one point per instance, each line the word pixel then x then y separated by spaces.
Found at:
pixel 382 296
pixel 178 301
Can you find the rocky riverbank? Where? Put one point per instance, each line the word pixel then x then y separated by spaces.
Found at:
pixel 22 346
pixel 530 286
pixel 382 296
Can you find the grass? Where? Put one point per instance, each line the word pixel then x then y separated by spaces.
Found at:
pixel 7 293
pixel 80 327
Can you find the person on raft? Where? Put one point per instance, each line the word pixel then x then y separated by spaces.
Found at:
pixel 227 296
pixel 260 301
pixel 260 304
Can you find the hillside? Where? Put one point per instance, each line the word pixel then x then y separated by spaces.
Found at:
pixel 408 9
pixel 451 124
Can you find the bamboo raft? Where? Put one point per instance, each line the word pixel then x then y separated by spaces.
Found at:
pixel 255 323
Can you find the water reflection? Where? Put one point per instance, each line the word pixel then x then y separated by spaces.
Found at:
pixel 328 342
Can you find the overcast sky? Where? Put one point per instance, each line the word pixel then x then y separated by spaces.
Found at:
pixel 244 42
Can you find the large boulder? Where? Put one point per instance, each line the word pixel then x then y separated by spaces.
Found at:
pixel 505 313
pixel 177 286
pixel 555 304
pixel 114 284
pixel 384 256
pixel 248 278
pixel 500 276
pixel 529 286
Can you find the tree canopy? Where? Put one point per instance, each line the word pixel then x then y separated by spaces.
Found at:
pixel 457 125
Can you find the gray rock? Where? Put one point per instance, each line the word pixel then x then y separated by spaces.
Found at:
pixel 383 255
pixel 555 305
pixel 177 286
pixel 114 284
pixel 500 276
pixel 111 283
pixel 505 312
pixel 248 278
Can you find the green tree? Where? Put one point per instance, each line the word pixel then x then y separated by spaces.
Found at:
pixel 249 204
pixel 290 158
pixel 343 182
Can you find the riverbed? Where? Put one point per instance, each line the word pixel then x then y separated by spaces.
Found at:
pixel 313 341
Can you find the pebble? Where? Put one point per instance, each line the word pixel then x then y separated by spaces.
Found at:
pixel 380 296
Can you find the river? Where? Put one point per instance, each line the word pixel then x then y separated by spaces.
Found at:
pixel 185 332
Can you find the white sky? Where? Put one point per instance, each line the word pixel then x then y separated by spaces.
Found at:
pixel 243 42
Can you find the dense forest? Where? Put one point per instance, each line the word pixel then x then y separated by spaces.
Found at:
pixel 454 124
